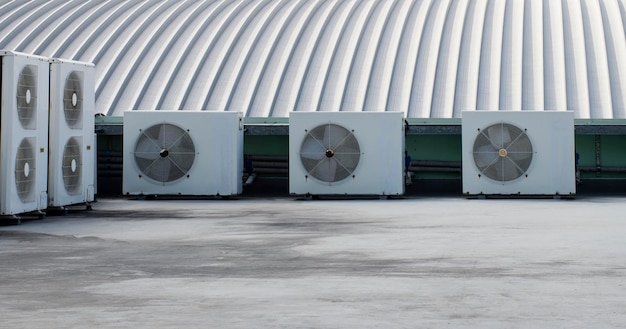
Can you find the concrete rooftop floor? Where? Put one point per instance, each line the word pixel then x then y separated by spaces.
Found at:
pixel 421 262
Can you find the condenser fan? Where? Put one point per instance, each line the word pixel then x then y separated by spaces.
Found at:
pixel 164 152
pixel 27 97
pixel 502 152
pixel 73 100
pixel 72 166
pixel 330 153
pixel 25 166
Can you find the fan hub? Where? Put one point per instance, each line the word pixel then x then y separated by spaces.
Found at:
pixel 330 153
pixel 28 96
pixel 74 99
pixel 26 169
pixel 502 153
pixel 164 153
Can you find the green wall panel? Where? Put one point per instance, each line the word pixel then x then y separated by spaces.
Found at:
pixel 613 152
pixel 113 143
pixel 270 145
pixel 612 155
pixel 585 147
pixel 434 147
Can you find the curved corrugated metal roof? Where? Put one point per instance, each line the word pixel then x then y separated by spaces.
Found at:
pixel 427 58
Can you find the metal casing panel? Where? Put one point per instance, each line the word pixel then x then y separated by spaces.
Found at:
pixel 381 140
pixel 552 170
pixel 13 133
pixel 218 142
pixel 64 132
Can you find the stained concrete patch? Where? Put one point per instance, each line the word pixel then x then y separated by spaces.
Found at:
pixel 280 263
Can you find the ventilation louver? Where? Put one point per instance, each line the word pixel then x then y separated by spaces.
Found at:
pixel 330 153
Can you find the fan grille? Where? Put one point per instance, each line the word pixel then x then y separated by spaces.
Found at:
pixel 164 152
pixel 330 153
pixel 25 170
pixel 502 152
pixel 73 100
pixel 27 97
pixel 72 166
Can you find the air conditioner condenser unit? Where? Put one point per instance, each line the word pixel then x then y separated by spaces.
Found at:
pixel 23 133
pixel 518 153
pixel 346 153
pixel 183 153
pixel 72 144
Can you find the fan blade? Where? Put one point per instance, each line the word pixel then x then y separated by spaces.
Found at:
pixel 348 161
pixel 485 155
pixel 507 170
pixel 169 135
pixel 348 145
pixel 147 149
pixel 162 137
pixel 521 148
pixel 164 169
pixel 334 136
pixel 518 156
pixel 326 170
pixel 499 135
pixel 160 170
pixel 182 160
pixel 332 169
pixel 312 149
pixel 346 165
pixel 326 139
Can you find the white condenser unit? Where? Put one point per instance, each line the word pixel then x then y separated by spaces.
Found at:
pixel 183 153
pixel 518 153
pixel 72 144
pixel 23 133
pixel 346 153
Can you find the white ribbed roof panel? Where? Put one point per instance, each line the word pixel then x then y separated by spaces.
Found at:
pixel 265 58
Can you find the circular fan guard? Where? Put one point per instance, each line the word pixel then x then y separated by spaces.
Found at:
pixel 25 165
pixel 330 153
pixel 27 97
pixel 73 100
pixel 72 166
pixel 164 152
pixel 502 152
